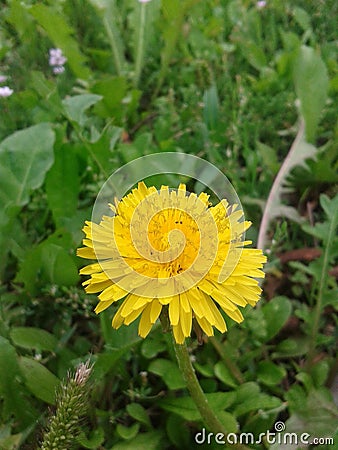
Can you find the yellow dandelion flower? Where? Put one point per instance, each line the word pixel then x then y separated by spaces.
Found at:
pixel 174 250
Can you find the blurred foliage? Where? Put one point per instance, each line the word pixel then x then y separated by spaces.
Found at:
pixel 227 81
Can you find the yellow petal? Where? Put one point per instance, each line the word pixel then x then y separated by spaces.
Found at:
pixel 145 322
pixel 174 310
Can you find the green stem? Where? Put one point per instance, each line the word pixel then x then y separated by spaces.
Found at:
pixel 140 45
pixel 208 415
pixel 231 365
pixel 321 292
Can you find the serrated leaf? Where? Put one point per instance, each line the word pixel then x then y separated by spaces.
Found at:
pixel 39 380
pixel 60 32
pixel 33 338
pixel 76 106
pixel 311 84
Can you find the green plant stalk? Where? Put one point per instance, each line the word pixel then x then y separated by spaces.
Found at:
pixel 111 33
pixel 208 415
pixel 321 290
pixel 140 45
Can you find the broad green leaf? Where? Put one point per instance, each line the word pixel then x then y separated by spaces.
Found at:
pixel 177 431
pixel 311 84
pixel 151 347
pixel 25 157
pixel 249 398
pixel 58 266
pixel 63 184
pixel 269 373
pixel 33 338
pixel 127 433
pixel 112 91
pixel 47 263
pixel 291 347
pixel 302 17
pixel 276 314
pixel 223 374
pixel 94 441
pixel 145 441
pixel 254 54
pixel 169 372
pixel 186 408
pixel 60 32
pixel 101 149
pixel 76 106
pixel 40 381
pixel 11 390
pixel 137 412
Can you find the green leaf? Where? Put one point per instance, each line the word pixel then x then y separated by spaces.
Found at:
pixel 76 106
pixel 63 184
pixel 60 33
pixel 58 267
pixel 11 390
pixel 127 433
pixel 144 441
pixel 249 398
pixel 94 441
pixel 269 373
pixel 177 431
pixel 314 413
pixel 25 157
pixel 112 90
pixel 320 372
pixel 254 54
pixel 151 347
pixel 33 338
pixel 137 412
pixel 276 314
pixel 311 84
pixel 211 107
pixel 302 18
pixel 291 347
pixel 186 408
pixel 169 372
pixel 39 380
pixel 223 374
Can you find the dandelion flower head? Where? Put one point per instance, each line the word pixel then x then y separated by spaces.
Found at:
pixel 172 251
